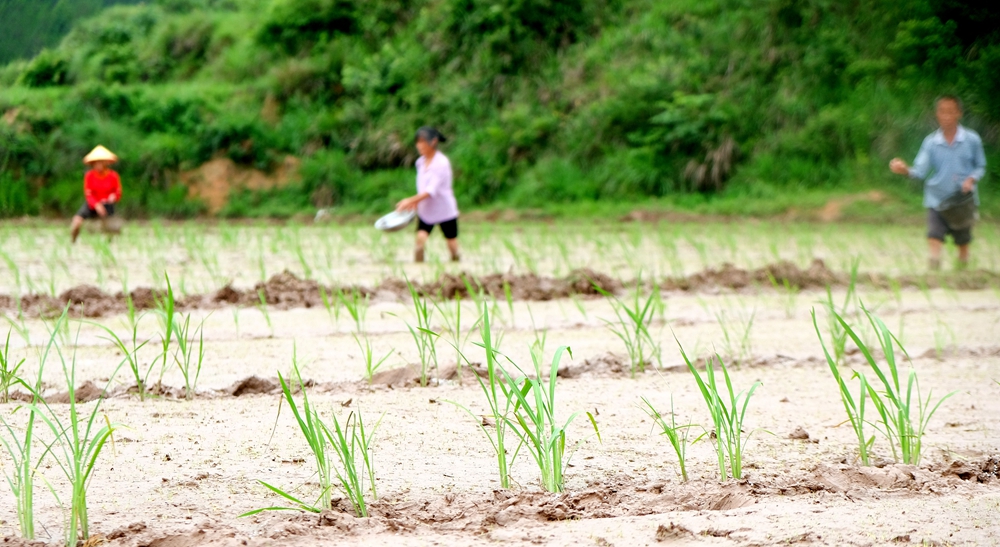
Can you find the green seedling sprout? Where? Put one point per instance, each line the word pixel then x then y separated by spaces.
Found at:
pixel 676 434
pixel 166 309
pixel 347 441
pixel 188 359
pixel 311 426
pixel 498 397
pixel 902 411
pixel 262 306
pixel 75 449
pixel 727 414
pixel 8 370
pixel 131 356
pixel 423 336
pixel 631 326
pixel 22 481
pixel 855 407
pixel 368 356
pixel 534 419
pixel 738 348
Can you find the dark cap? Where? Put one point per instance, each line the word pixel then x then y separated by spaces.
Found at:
pixel 429 134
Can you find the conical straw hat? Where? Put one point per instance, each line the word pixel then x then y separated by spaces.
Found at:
pixel 100 154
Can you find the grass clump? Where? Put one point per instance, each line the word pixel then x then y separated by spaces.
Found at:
pixel 903 413
pixel 347 441
pixel 676 434
pixel 631 325
pixel 728 411
pixel 423 335
pixel 78 442
pixel 8 370
pixel 498 397
pixel 534 418
pixel 140 375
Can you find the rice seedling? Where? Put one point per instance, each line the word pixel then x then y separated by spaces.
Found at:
pixel 631 326
pixel 453 324
pixel 498 397
pixel 21 482
pixel 186 357
pixel 789 294
pixel 331 304
pixel 368 356
pixel 509 297
pixel 534 418
pixel 676 434
pixel 8 370
pixel 855 407
pixel 727 414
pixel 838 336
pixel 423 336
pixel 77 445
pixel 903 423
pixel 140 375
pixel 356 305
pixel 166 311
pixel 347 441
pixel 541 335
pixel 736 340
pixel 262 306
pixel 311 426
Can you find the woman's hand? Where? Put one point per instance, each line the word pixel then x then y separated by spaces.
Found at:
pixel 101 211
pixel 968 185
pixel 407 204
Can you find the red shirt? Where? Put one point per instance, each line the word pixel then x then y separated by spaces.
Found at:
pixel 98 188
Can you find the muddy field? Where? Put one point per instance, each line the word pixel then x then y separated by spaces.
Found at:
pixel 180 472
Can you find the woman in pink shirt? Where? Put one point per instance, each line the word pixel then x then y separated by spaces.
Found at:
pixel 435 199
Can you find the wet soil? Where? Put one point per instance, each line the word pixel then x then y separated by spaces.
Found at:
pixel 286 291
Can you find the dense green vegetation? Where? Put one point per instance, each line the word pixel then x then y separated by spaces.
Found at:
pixel 27 26
pixel 548 102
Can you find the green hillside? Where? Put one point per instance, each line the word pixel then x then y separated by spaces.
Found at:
pixel 547 101
pixel 27 26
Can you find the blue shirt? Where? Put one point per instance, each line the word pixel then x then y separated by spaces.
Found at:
pixel 945 166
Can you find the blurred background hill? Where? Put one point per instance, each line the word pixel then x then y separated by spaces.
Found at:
pixel 276 107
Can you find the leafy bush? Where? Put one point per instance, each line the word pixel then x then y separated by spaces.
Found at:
pixel 296 24
pixel 49 68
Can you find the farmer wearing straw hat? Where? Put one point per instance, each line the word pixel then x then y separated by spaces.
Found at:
pixel 435 199
pixel 102 188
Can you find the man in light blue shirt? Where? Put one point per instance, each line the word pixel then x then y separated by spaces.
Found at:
pixel 951 160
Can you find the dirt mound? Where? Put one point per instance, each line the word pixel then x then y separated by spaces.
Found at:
pixel 286 291
pixel 521 286
pixel 89 301
pixel 983 471
pixel 253 385
pixel 607 365
pixel 83 394
pixel 779 274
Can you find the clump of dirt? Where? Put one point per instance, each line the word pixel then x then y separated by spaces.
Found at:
pixel 673 531
pixel 607 365
pixel 286 291
pixel 83 394
pixel 409 375
pixel 521 286
pixel 783 273
pixel 89 301
pixel 254 385
pixel 983 471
